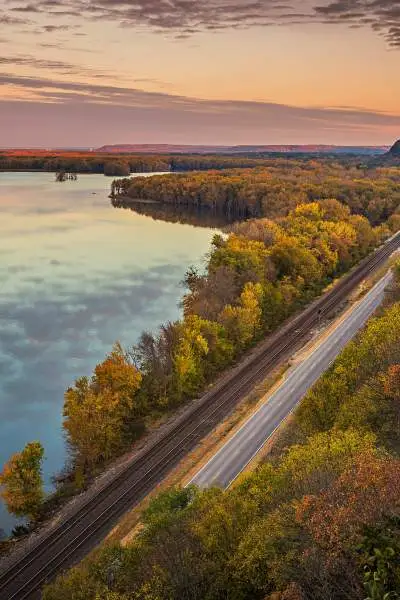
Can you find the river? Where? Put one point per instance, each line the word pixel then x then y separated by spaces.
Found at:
pixel 76 274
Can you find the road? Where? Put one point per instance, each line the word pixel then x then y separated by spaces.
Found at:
pixel 242 447
pixel 92 517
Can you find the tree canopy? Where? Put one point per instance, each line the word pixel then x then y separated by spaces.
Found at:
pixel 21 481
pixel 273 189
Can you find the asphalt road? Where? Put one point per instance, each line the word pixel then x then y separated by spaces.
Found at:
pixel 236 454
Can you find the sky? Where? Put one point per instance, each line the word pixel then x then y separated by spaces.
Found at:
pixel 84 73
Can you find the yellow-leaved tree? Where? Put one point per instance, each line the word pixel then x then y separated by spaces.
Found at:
pixel 244 322
pixel 101 413
pixel 22 483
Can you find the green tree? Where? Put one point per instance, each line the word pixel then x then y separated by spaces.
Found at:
pixel 22 481
pixel 380 559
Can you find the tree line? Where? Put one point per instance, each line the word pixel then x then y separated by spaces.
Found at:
pixel 112 165
pixel 318 519
pixel 271 191
pixel 121 164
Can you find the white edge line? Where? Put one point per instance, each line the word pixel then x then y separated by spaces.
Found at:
pixel 229 440
pixel 295 406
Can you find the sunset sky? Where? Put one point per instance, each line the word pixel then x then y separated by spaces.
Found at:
pixel 87 73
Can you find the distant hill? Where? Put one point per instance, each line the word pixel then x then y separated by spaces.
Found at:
pixel 196 149
pixel 160 149
pixel 395 149
pixel 391 158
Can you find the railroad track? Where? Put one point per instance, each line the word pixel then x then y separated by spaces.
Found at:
pixel 71 539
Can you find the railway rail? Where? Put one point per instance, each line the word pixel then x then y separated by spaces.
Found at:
pixel 73 538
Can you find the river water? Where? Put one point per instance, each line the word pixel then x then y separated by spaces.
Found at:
pixel 76 275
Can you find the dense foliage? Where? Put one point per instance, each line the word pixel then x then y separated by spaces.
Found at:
pixel 106 404
pixel 88 162
pixel 21 481
pixel 320 521
pixel 362 389
pixel 256 277
pixel 274 190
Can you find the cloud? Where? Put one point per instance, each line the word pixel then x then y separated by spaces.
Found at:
pixel 49 64
pixel 74 93
pixel 9 19
pixel 382 15
pixel 90 118
pixel 61 67
pixel 59 112
pixel 52 28
pixel 50 89
pixel 184 18
pixel 60 46
pixel 27 8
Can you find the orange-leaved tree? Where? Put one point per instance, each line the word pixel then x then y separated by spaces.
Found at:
pixel 101 414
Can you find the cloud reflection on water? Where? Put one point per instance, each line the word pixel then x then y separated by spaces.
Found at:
pixel 72 281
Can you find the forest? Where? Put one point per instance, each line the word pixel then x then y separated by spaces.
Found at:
pixel 258 275
pixel 318 519
pixel 271 191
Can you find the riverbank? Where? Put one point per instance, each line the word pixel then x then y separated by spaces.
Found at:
pixel 77 274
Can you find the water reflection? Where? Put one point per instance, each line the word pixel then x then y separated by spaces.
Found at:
pixel 175 214
pixel 75 275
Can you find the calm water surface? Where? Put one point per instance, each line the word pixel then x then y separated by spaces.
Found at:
pixel 75 275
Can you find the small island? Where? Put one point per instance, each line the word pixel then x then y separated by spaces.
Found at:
pixel 64 176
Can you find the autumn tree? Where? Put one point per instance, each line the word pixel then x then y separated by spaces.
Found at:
pixel 209 294
pixel 391 385
pixel 153 356
pixel 102 413
pixel 273 189
pixel 244 321
pixel 203 348
pixel 117 168
pixel 22 482
pixel 367 492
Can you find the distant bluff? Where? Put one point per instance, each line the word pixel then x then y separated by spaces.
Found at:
pixel 395 149
pixel 390 159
